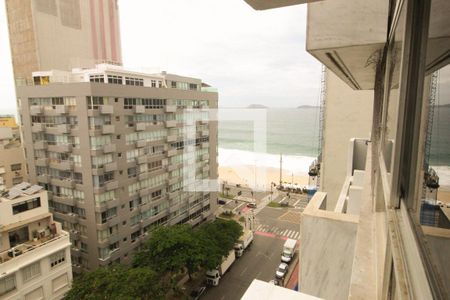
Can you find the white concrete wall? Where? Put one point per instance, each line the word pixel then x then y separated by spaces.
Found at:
pixel 6 214
pixel 344 108
pixel 326 251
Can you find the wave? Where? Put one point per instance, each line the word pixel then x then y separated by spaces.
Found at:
pixel 298 165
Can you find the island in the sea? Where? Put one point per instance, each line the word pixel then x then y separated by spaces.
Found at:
pixel 256 106
pixel 307 106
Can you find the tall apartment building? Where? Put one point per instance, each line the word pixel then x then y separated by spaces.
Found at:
pixel 369 242
pixel 62 34
pixel 119 152
pixel 34 250
pixel 12 159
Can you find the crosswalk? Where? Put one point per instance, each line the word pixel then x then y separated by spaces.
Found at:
pixel 292 234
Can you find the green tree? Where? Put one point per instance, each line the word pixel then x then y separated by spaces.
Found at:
pixel 171 249
pixel 217 238
pixel 117 282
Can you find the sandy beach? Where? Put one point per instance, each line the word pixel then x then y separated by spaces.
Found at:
pixel 261 177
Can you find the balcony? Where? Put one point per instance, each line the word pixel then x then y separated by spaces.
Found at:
pixel 142 159
pixel 44 178
pixel 67 183
pixel 106 109
pixel 172 152
pixel 141 143
pixel 41 162
pixel 63 165
pixel 141 126
pixel 62 128
pixel 170 108
pixel 171 138
pixel 36 110
pixel 171 124
pixel 108 129
pixel 40 145
pixel 109 148
pixel 37 127
pixel 112 166
pixel 65 200
pixel 139 109
pixel 60 148
pixel 112 185
pixel 21 255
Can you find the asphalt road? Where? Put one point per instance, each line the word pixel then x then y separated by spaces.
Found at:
pixel 263 258
pixel 260 261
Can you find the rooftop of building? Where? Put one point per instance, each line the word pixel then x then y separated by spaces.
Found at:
pixel 114 74
pixel 25 223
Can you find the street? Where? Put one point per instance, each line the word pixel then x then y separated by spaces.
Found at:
pixel 272 227
pixel 260 262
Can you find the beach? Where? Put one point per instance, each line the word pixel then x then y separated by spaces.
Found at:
pixel 245 175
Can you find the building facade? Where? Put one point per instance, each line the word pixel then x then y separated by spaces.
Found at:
pixel 12 159
pixel 87 33
pixel 34 250
pixel 121 153
pixel 370 243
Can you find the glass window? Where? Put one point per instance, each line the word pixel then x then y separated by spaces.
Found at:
pixel 7 284
pixel 57 258
pixel 31 271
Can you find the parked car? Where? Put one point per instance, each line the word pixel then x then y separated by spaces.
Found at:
pixel 221 201
pixel 251 205
pixel 198 292
pixel 282 270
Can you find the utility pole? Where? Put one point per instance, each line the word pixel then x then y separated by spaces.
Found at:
pixel 281 167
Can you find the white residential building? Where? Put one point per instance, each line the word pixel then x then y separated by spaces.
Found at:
pixel 34 250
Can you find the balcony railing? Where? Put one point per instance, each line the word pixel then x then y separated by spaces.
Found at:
pixel 27 248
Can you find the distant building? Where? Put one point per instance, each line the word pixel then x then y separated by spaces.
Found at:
pixel 109 144
pixel 12 159
pixel 34 250
pixel 62 34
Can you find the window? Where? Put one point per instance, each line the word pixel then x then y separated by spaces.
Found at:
pixel 153 82
pixel 26 205
pixel 17 180
pixel 31 271
pixel 60 282
pixel 57 258
pixel 16 167
pixel 134 81
pixel 114 79
pixel 7 284
pixel 97 78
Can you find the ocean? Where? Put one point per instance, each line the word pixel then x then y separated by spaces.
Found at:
pixel 290 132
pixel 294 132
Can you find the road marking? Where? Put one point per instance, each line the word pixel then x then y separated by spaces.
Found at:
pixel 297 201
pixel 259 227
pixel 284 232
pixel 289 233
pixel 297 235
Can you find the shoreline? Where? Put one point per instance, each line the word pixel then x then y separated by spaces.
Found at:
pixel 245 176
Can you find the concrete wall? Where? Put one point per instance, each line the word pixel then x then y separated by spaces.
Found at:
pixel 344 108
pixel 326 250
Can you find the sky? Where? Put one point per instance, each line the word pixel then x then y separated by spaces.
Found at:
pixel 252 57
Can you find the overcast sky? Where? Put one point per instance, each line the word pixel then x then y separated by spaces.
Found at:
pixel 250 56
